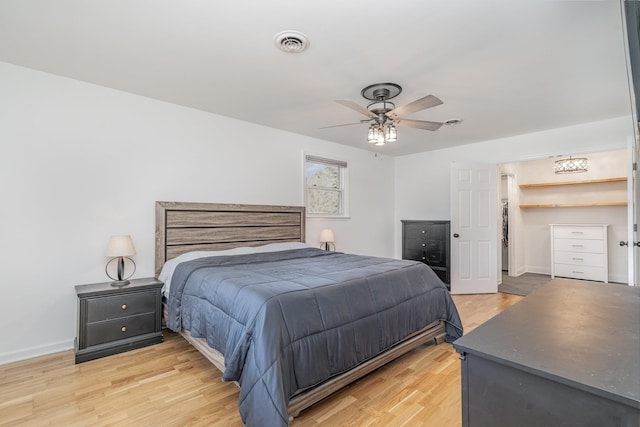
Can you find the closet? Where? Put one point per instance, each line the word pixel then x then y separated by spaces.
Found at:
pixel 538 198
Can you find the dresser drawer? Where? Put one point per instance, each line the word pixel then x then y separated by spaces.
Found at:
pixel 580 272
pixel 415 244
pixel 579 233
pixel 117 306
pixel 577 258
pixel 415 231
pixel 117 329
pixel 578 245
pixel 414 254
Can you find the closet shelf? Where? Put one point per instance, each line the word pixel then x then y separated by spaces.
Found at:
pixel 571 205
pixel 590 181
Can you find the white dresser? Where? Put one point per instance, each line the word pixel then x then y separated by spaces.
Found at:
pixel 579 251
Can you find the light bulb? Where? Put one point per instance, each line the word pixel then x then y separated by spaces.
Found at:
pixel 372 137
pixel 390 133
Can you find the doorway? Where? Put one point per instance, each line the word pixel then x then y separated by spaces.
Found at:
pixel 530 209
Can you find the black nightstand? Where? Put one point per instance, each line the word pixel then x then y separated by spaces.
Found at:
pixel 116 319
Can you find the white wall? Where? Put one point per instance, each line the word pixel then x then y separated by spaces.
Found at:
pixel 422 180
pixel 81 162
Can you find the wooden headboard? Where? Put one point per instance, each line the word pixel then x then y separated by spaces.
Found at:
pixel 183 227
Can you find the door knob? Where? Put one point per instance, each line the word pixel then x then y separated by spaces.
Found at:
pixel 456 235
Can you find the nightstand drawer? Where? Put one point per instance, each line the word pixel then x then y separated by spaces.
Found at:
pixel 117 329
pixel 117 306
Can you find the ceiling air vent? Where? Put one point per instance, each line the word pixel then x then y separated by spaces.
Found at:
pixel 291 41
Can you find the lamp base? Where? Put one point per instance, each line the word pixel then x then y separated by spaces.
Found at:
pixel 120 279
pixel 119 283
pixel 327 246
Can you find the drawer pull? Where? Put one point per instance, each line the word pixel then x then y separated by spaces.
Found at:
pixel 577 246
pixel 124 306
pixel 578 272
pixel 424 244
pixel 123 329
pixel 423 231
pixel 576 232
pixel 424 257
pixel 578 259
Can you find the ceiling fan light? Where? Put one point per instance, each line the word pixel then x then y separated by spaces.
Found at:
pixel 390 133
pixel 375 134
pixel 372 136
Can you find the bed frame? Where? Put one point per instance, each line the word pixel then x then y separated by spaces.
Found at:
pixel 183 227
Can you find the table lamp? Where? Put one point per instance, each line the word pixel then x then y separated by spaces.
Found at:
pixel 327 238
pixel 119 248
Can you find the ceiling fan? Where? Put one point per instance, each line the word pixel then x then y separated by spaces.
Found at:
pixel 384 116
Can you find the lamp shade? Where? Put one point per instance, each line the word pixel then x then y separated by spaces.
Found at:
pixel 390 133
pixel 326 235
pixel 120 246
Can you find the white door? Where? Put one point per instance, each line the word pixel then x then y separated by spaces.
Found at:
pixel 474 228
pixel 631 10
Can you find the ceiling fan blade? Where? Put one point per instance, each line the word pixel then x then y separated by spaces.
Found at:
pixel 346 124
pixel 357 107
pixel 418 124
pixel 417 105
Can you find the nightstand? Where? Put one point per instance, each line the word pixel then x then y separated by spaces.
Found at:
pixel 116 319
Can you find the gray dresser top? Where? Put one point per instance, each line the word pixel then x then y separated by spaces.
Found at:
pixel 583 334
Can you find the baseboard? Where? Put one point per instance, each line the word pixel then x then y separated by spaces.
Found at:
pixel 537 270
pixel 29 353
pixel 615 278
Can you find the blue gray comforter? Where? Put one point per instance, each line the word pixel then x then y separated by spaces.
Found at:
pixel 288 320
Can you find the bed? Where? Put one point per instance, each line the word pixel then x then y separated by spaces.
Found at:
pixel 291 324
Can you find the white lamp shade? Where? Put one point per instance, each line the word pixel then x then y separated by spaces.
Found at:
pixel 120 246
pixel 326 235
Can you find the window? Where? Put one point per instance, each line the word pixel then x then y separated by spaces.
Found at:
pixel 325 187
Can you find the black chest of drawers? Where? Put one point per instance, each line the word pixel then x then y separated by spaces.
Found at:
pixel 428 242
pixel 116 319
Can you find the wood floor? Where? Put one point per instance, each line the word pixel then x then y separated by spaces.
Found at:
pixel 171 384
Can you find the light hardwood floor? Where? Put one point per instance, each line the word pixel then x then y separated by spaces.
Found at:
pixel 171 384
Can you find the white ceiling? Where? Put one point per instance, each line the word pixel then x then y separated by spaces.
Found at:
pixel 504 67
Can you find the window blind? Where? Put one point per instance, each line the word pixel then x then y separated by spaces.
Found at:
pixel 316 159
